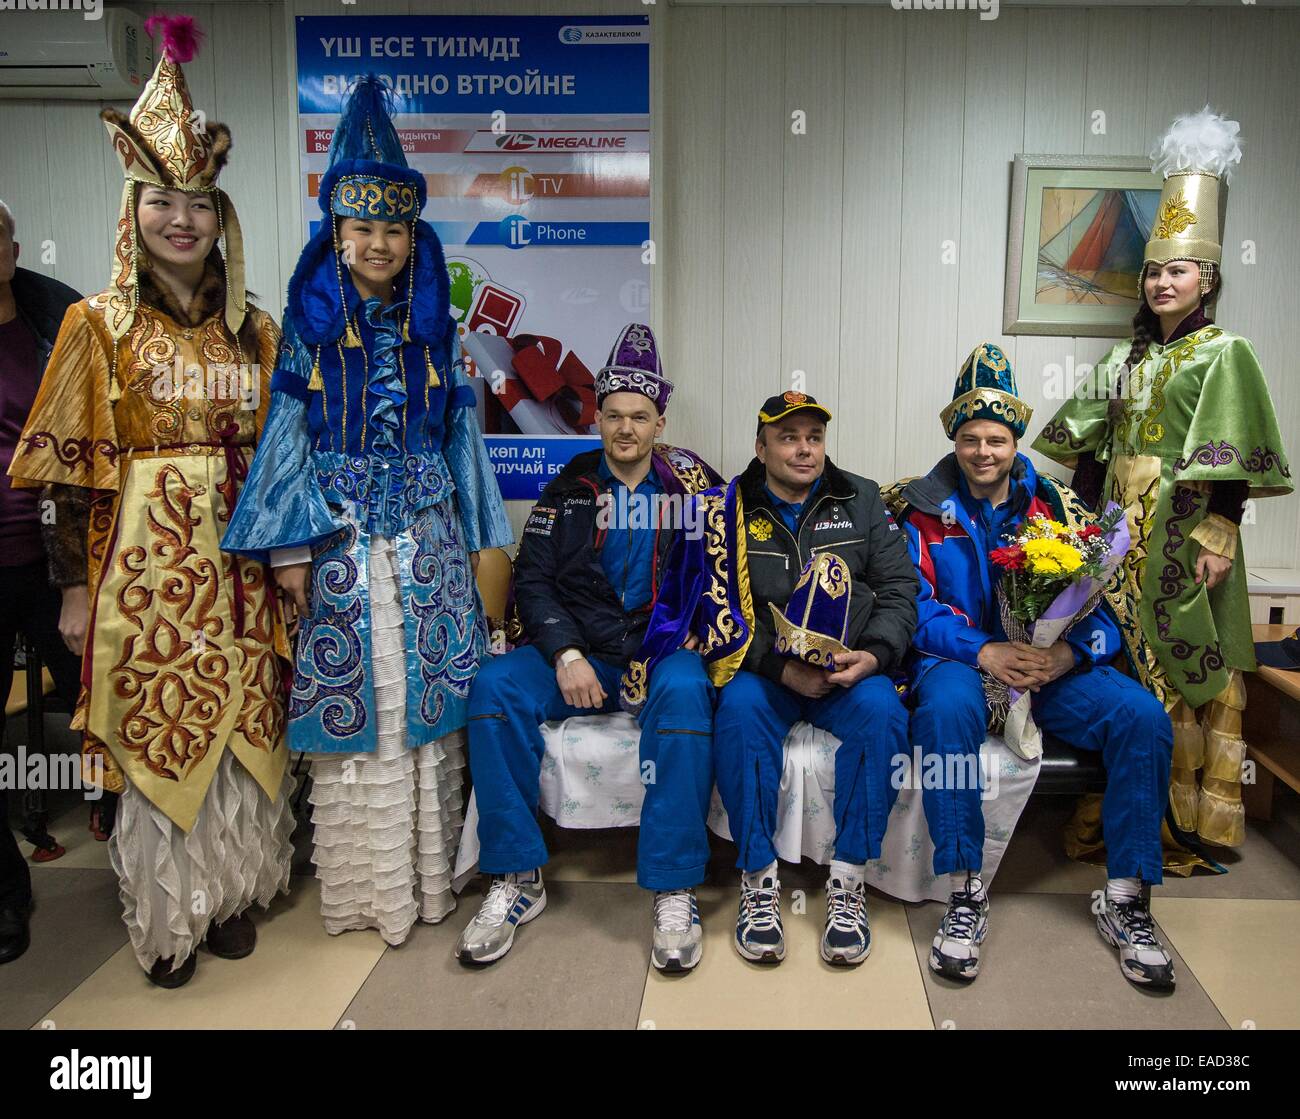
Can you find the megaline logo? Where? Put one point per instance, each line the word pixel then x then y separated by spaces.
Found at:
pixel 517 142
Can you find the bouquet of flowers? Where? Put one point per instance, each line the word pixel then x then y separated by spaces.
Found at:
pixel 1052 577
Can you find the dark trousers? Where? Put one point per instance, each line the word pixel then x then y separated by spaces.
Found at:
pixel 30 606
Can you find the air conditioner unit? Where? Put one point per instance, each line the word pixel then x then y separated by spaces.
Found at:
pixel 61 54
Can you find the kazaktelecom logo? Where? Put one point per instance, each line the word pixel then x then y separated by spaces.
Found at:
pixel 514 230
pixel 571 34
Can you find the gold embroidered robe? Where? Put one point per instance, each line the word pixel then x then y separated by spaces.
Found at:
pixel 180 661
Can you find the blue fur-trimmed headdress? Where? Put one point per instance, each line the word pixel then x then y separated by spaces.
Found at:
pixel 369 179
pixel 986 390
pixel 368 175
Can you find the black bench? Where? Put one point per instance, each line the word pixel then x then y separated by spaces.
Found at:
pixel 1067 771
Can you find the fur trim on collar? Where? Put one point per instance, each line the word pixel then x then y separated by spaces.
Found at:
pixel 317 313
pixel 208 300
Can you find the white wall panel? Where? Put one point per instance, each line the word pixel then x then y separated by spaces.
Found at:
pixel 820 252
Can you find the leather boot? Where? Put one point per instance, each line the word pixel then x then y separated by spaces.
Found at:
pixel 161 974
pixel 233 939
pixel 15 933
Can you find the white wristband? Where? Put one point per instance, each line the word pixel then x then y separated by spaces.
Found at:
pixel 569 656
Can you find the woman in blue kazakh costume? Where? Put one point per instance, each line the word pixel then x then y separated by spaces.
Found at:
pixel 371 494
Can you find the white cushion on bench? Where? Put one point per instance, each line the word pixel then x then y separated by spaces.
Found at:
pixel 591 778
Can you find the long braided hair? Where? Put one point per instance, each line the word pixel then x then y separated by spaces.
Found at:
pixel 1146 329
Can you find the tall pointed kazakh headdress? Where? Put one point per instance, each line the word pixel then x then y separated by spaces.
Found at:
pixel 165 143
pixel 1197 152
pixel 986 390
pixel 368 176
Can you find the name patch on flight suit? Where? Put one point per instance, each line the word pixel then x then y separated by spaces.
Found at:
pixel 541 521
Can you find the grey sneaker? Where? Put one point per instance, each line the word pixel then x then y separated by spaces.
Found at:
pixel 759 936
pixel 512 900
pixel 955 951
pixel 846 942
pixel 1127 925
pixel 679 939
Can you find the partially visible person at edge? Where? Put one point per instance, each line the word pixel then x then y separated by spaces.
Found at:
pixel 31 308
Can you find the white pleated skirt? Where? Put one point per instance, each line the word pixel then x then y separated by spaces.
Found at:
pixel 387 823
pixel 174 885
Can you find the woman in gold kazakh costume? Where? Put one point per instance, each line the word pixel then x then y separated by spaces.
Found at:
pixel 142 431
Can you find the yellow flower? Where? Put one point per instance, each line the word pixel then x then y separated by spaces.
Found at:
pixel 1039 527
pixel 1051 557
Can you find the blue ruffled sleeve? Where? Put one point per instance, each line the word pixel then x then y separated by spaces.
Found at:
pixel 482 512
pixel 281 505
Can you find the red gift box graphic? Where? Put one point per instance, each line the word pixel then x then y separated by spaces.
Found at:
pixel 545 394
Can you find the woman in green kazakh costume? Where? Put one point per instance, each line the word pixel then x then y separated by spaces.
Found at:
pixel 1176 425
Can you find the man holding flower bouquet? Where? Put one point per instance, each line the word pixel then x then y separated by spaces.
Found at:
pixel 1010 560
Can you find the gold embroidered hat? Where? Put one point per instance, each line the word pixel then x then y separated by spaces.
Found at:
pixel 165 143
pixel 986 390
pixel 820 603
pixel 1195 155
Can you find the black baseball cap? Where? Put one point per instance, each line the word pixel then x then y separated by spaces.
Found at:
pixel 786 404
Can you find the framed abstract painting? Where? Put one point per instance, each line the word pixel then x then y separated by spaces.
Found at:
pixel 1078 228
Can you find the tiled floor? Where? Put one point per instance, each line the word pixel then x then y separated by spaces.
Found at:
pixel 584 963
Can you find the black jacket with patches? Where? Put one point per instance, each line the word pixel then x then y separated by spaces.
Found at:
pixel 562 594
pixel 847 517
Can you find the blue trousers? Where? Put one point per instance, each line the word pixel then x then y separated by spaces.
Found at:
pixel 513 694
pixel 1099 710
pixel 753 717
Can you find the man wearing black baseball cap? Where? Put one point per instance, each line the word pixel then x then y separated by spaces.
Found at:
pixel 797 505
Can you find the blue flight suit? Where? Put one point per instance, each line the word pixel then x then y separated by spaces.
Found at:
pixel 1093 707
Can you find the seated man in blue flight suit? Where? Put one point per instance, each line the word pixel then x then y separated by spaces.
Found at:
pixel 972 502
pixel 796 507
pixel 588 571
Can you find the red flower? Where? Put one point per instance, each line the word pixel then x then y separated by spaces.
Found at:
pixel 1089 531
pixel 1011 557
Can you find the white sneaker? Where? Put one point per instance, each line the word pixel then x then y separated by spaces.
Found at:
pixel 955 951
pixel 1127 925
pixel 679 939
pixel 512 900
pixel 759 936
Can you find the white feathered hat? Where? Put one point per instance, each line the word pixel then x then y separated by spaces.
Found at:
pixel 1194 156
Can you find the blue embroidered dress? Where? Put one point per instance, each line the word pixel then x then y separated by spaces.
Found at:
pixel 378 439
